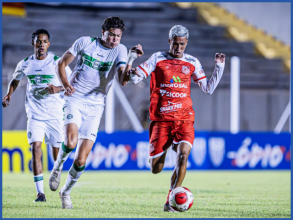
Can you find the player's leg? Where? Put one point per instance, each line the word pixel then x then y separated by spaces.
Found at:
pixel 86 139
pixel 160 141
pixel 35 134
pixel 72 121
pixel 84 147
pixel 183 137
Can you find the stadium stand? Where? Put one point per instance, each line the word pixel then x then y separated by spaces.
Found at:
pixel 149 26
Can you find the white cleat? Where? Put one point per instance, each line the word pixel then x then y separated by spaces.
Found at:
pixel 65 200
pixel 168 208
pixel 54 179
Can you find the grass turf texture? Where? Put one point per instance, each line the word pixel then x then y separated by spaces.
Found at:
pixel 229 194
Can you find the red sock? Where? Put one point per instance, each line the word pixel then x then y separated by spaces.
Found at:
pixel 168 197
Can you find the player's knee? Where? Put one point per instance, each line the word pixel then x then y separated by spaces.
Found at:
pixel 71 142
pixel 79 162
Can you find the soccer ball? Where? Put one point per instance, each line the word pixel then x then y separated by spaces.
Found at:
pixel 181 199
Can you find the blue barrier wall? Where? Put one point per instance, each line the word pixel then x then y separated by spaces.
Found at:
pixel 211 150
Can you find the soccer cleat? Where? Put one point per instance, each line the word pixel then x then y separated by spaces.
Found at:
pixel 54 179
pixel 168 208
pixel 40 198
pixel 65 200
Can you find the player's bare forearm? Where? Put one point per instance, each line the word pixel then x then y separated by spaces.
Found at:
pixel 124 75
pixel 134 53
pixel 11 88
pixel 65 60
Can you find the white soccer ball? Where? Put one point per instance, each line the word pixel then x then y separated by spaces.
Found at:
pixel 181 199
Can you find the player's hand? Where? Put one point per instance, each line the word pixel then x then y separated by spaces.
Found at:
pixel 133 71
pixel 52 89
pixel 69 90
pixel 220 58
pixel 6 100
pixel 138 50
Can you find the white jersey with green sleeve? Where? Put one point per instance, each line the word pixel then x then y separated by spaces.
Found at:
pixel 39 104
pixel 95 69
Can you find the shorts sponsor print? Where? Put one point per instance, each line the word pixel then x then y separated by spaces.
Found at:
pixel 163 134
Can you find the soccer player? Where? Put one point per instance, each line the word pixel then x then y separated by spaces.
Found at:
pixel 85 94
pixel 43 103
pixel 171 109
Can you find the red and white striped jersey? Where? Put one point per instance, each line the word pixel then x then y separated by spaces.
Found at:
pixel 170 85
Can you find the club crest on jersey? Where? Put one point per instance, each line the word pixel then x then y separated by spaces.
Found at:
pixel 96 64
pixel 185 70
pixel 69 116
pixel 38 79
pixel 145 64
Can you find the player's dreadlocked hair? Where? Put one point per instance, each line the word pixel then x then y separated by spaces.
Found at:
pixel 113 22
pixel 40 31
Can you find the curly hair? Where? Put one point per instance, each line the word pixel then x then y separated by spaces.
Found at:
pixel 113 22
pixel 40 31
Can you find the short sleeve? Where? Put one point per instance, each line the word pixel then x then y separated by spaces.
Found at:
pixel 147 67
pixel 18 73
pixel 122 57
pixel 79 45
pixel 198 73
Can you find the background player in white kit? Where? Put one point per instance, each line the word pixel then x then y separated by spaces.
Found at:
pixel 85 96
pixel 43 103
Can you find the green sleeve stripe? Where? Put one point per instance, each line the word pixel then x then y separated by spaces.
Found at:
pixel 39 178
pixel 56 57
pixel 26 59
pixel 78 169
pixel 120 63
pixel 93 39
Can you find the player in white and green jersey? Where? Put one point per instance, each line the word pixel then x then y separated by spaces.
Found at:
pixel 43 103
pixel 98 61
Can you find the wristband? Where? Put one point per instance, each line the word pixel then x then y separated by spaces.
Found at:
pixel 132 55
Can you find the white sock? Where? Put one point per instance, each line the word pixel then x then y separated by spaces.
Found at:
pixel 72 177
pixel 63 154
pixel 39 183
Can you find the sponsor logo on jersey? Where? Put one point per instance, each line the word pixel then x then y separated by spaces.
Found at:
pixel 170 107
pixel 38 70
pixel 189 59
pixel 145 64
pixel 69 116
pixel 175 85
pixel 174 79
pixel 185 70
pixel 29 135
pixel 100 55
pixel 173 94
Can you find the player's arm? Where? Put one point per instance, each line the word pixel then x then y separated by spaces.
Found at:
pixel 64 61
pixel 124 72
pixel 11 88
pixel 17 76
pixel 209 86
pixel 55 89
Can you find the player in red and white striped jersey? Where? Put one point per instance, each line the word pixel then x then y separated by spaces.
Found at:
pixel 171 109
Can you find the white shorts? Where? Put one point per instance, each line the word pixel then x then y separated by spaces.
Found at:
pixel 86 117
pixel 52 129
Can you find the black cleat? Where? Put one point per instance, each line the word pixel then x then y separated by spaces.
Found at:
pixel 40 198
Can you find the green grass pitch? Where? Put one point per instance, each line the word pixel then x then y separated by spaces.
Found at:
pixel 131 194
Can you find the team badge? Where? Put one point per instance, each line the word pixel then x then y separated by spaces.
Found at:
pixel 145 64
pixel 29 135
pixel 69 116
pixel 38 79
pixel 96 64
pixel 185 70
